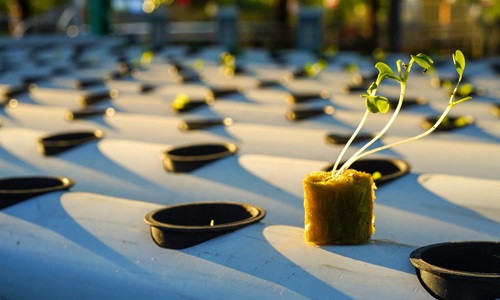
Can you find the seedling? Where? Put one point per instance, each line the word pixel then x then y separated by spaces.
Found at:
pixel 180 102
pixel 338 205
pixel 313 69
pixel 146 59
pixel 380 104
pixel 228 64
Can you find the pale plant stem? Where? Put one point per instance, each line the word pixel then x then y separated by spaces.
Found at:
pixel 430 130
pixel 451 104
pixel 452 97
pixel 349 142
pixel 356 156
pixel 353 136
pixel 349 162
pixel 402 80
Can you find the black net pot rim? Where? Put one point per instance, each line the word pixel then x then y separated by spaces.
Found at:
pixel 450 123
pixel 226 149
pixel 303 112
pixel 408 101
pixel 88 112
pixel 301 97
pixel 403 166
pixel 16 189
pixel 472 280
pixel 390 168
pixel 64 183
pixel 256 213
pixel 203 123
pixel 186 225
pixel 70 138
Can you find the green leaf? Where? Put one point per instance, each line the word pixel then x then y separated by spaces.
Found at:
pixel 372 87
pixel 322 64
pixel 376 104
pixel 385 71
pixel 308 69
pixel 398 65
pixel 180 101
pixel 382 104
pixel 459 61
pixel 465 89
pixel 370 104
pixel 461 100
pixel 376 175
pixel 423 60
pixel 198 64
pixel 352 68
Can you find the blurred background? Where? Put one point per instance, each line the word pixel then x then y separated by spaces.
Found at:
pixel 431 26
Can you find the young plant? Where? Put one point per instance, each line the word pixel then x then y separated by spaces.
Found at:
pixel 338 205
pixel 313 69
pixel 375 104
